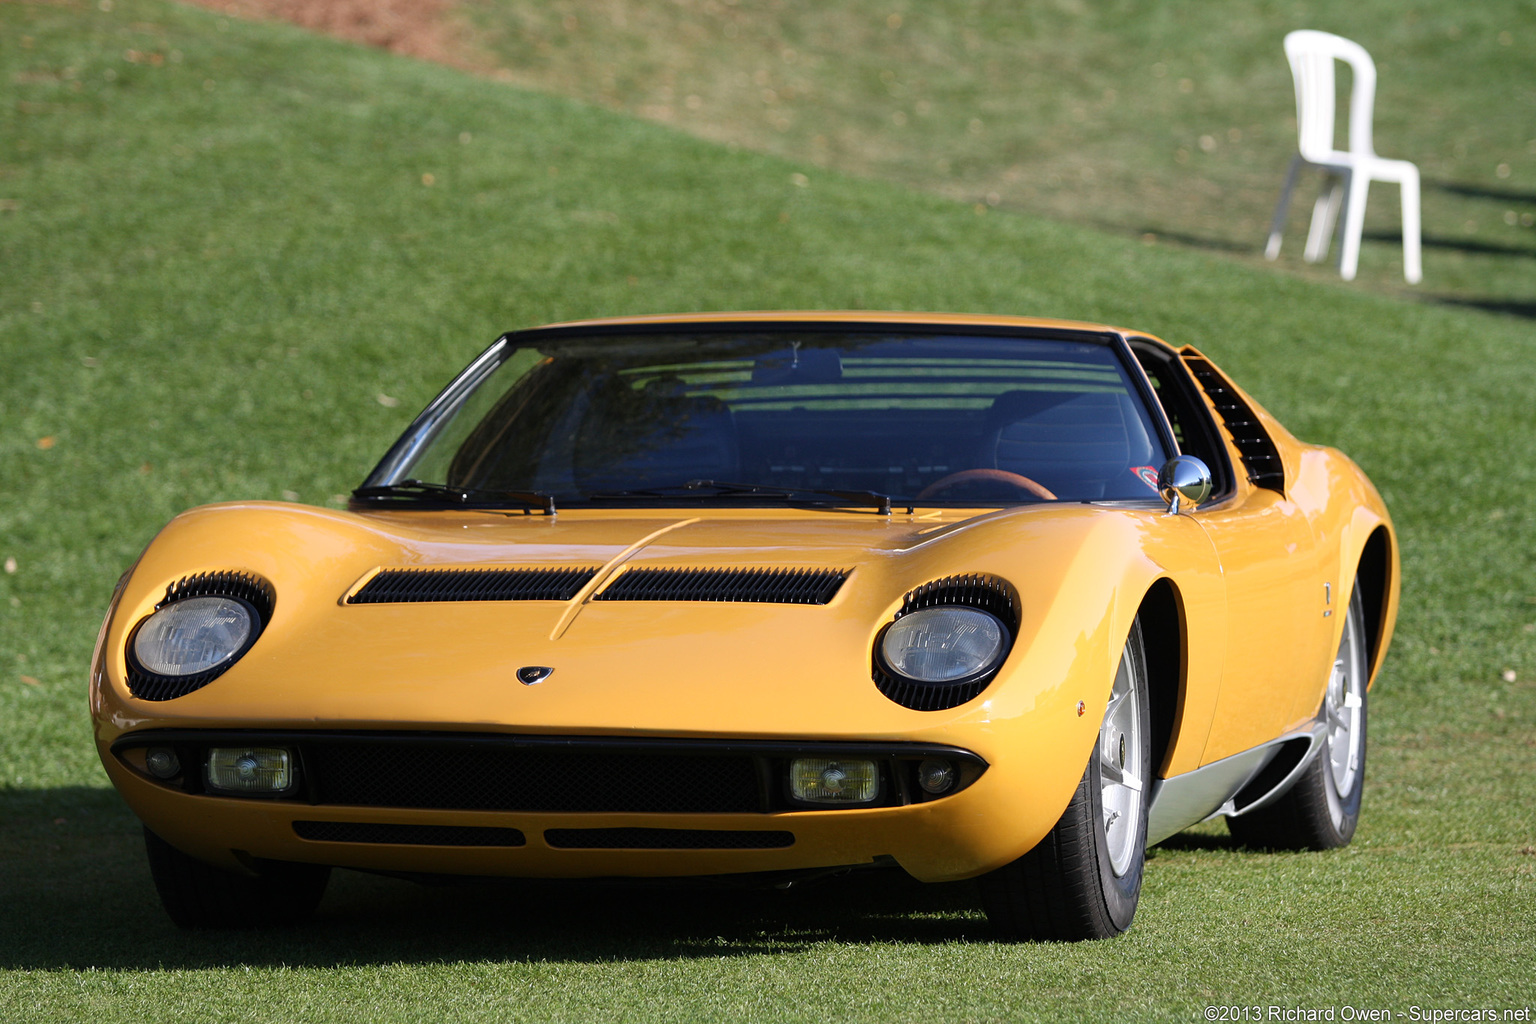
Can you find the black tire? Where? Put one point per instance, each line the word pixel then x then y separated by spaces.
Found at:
pixel 1322 808
pixel 199 895
pixel 1069 888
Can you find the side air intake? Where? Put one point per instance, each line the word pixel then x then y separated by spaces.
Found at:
pixel 1260 458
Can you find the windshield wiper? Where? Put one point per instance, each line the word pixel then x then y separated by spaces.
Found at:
pixel 696 488
pixel 852 499
pixel 412 489
pixel 729 489
pixel 417 490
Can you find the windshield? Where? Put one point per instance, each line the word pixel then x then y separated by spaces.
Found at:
pixel 763 415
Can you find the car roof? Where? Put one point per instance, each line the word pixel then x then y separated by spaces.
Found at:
pixel 845 317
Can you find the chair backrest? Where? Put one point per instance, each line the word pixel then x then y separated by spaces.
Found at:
pixel 1312 54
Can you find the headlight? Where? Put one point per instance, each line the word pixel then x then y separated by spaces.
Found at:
pixel 204 625
pixel 249 769
pixel 944 645
pixel 193 636
pixel 820 780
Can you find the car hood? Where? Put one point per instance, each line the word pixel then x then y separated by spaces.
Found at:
pixel 751 668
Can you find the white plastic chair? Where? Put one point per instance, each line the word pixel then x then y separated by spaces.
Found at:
pixel 1312 55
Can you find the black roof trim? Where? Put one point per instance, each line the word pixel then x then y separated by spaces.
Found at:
pixel 1098 337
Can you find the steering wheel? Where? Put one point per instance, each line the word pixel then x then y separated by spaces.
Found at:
pixel 1001 476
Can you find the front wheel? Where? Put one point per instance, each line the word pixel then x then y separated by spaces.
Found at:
pixel 199 895
pixel 1083 880
pixel 1321 810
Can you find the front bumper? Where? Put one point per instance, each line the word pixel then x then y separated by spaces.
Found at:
pixel 540 806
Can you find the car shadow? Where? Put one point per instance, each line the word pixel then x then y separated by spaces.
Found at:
pixel 77 894
pixel 1193 841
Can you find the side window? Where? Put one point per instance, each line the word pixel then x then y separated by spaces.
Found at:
pixel 1193 428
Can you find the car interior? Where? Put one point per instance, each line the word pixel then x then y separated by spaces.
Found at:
pixel 893 418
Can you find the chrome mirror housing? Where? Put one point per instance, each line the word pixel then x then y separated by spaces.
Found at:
pixel 1184 482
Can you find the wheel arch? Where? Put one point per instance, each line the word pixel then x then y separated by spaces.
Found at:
pixel 1164 640
pixel 1375 576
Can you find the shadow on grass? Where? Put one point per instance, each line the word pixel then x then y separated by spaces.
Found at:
pixel 1454 244
pixel 1184 239
pixel 1502 195
pixel 1192 841
pixel 77 894
pixel 1509 307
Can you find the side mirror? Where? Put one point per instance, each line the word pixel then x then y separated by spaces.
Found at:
pixel 1184 482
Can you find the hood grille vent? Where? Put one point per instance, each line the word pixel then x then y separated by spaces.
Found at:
pixel 765 586
pixel 410 586
pixel 762 586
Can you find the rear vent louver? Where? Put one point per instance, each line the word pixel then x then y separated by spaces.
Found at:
pixel 767 586
pixel 1260 458
pixel 409 586
pixel 987 593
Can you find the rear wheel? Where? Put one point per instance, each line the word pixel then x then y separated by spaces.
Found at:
pixel 1321 810
pixel 199 895
pixel 1083 880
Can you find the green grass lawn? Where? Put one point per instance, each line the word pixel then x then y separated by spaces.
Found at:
pixel 1172 120
pixel 235 258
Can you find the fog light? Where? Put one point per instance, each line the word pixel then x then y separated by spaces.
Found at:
pixel 936 776
pixel 250 769
pixel 820 780
pixel 162 762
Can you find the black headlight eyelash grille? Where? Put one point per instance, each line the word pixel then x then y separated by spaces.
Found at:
pixel 973 590
pixel 246 586
pixel 988 593
pixel 241 586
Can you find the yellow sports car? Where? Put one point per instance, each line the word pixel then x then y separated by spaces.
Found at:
pixel 766 595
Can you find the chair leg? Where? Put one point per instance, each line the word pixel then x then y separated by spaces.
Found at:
pixel 1354 223
pixel 1413 269
pixel 1324 212
pixel 1283 207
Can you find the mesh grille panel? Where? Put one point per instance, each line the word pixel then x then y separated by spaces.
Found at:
pixel 665 839
pixel 768 586
pixel 407 835
pixel 470 777
pixel 403 586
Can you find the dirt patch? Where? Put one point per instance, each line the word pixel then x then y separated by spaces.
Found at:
pixel 427 29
